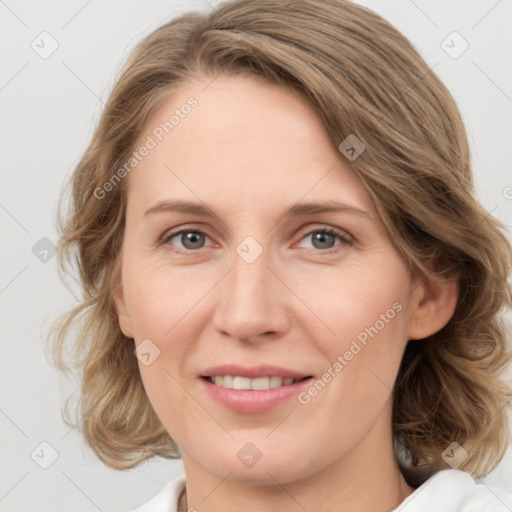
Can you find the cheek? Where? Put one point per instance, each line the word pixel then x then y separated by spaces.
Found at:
pixel 172 406
pixel 164 304
pixel 358 302
pixel 159 298
pixel 365 315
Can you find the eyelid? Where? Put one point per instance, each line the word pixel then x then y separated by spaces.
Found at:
pixel 342 233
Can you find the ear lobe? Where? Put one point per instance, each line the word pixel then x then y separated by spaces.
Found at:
pixel 122 313
pixel 435 305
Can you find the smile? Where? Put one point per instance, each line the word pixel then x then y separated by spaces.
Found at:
pixel 256 384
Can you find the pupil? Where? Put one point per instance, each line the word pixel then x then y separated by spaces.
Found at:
pixel 192 240
pixel 323 238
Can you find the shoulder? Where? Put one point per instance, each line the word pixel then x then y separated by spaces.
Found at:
pixel 453 490
pixel 167 498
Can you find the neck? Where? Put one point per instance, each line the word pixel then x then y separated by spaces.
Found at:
pixel 367 478
pixel 286 500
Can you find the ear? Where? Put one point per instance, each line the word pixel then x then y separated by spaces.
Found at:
pixel 434 305
pixel 122 313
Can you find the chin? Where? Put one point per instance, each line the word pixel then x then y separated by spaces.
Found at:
pixel 268 469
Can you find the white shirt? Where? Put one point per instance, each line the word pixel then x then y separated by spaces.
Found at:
pixel 449 490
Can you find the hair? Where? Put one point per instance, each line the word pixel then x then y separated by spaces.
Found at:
pixel 362 77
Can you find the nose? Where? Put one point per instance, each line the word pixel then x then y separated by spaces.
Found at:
pixel 252 302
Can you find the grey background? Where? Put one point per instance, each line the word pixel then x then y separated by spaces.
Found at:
pixel 49 108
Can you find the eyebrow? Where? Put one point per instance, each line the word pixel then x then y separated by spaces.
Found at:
pixel 297 210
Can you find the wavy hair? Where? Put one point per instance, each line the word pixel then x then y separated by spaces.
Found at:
pixel 362 77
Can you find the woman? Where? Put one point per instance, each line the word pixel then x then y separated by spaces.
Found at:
pixel 288 280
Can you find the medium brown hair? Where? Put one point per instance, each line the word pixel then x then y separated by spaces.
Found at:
pixel 362 77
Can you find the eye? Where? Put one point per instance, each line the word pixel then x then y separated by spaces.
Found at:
pixel 190 240
pixel 325 239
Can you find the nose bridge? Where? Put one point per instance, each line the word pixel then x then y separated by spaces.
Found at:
pixel 249 303
pixel 249 280
pixel 250 271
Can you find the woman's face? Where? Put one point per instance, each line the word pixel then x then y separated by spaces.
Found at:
pixel 251 244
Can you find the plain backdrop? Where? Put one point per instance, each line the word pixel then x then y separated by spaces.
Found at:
pixel 50 105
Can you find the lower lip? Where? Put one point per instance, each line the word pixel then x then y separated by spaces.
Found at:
pixel 253 402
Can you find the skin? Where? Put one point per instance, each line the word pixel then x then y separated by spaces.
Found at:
pixel 250 150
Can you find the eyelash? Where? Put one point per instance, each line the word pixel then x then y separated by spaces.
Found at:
pixel 343 236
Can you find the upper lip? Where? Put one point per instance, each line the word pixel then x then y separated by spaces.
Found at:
pixel 253 372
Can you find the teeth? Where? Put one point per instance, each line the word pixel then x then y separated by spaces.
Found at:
pixel 258 384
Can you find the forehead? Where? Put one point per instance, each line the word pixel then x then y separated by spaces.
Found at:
pixel 261 143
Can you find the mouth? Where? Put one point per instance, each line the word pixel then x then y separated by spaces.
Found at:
pixel 254 389
pixel 252 395
pixel 239 382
